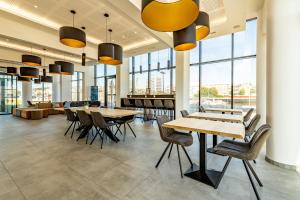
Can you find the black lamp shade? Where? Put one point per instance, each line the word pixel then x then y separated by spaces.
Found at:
pixel 169 17
pixel 67 68
pixel 11 70
pixel 185 39
pixel 37 81
pixel 54 69
pixel 105 51
pixel 23 79
pixel 202 26
pixel 72 37
pixel 29 72
pixel 117 56
pixel 31 60
pixel 47 79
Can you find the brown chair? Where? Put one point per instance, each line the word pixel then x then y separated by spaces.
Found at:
pixel 86 123
pixel 169 105
pixel 245 151
pixel 173 137
pixel 251 127
pixel 73 118
pixel 248 115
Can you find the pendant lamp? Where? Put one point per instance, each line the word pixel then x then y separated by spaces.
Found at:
pixel 23 79
pixel 45 78
pixel 31 60
pixel 202 26
pixel 169 15
pixel 37 81
pixel 11 71
pixel 185 39
pixel 67 68
pixel 105 50
pixel 29 72
pixel 71 36
pixel 54 69
pixel 83 57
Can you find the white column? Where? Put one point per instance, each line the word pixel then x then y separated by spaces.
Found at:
pixel 182 81
pixel 66 88
pixel 261 66
pixel 122 81
pixel 89 80
pixel 56 88
pixel 283 85
pixel 26 93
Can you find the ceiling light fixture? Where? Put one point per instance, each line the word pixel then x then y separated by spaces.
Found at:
pixel 23 79
pixel 105 50
pixel 29 72
pixel 31 60
pixel 117 55
pixel 11 71
pixel 185 39
pixel 71 36
pixel 67 68
pixel 169 15
pixel 54 69
pixel 202 26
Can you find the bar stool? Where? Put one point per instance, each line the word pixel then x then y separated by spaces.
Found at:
pixel 139 105
pixel 127 103
pixel 148 109
pixel 159 106
pixel 169 106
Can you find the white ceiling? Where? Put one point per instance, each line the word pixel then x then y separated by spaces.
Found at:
pixel 128 30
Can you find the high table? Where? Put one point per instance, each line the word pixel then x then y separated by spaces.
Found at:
pixel 204 127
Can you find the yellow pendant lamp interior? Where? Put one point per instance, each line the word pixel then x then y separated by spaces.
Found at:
pixel 106 49
pixel 202 26
pixel 169 15
pixel 185 39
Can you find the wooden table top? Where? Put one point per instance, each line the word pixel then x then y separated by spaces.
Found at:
pixel 225 129
pixel 225 110
pixel 217 117
pixel 106 112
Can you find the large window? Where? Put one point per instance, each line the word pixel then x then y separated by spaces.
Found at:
pixel 41 92
pixel 77 86
pixel 225 70
pixel 158 67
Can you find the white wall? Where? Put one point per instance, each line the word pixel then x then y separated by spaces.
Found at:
pixel 122 81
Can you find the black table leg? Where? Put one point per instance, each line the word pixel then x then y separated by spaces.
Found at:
pixel 201 173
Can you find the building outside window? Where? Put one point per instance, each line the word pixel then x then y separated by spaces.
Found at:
pixel 41 92
pixel 225 70
pixel 77 86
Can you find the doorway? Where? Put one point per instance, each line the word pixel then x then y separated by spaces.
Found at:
pixel 8 94
pixel 110 91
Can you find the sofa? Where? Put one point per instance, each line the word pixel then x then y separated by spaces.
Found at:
pixel 50 107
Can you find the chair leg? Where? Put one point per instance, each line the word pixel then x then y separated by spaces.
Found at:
pixel 251 180
pixel 223 171
pixel 118 130
pixel 163 154
pixel 179 161
pixel 73 130
pixel 170 150
pixel 69 128
pixel 254 173
pixel 87 137
pixel 187 155
pixel 124 133
pixel 131 130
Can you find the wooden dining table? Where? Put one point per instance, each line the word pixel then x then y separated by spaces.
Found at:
pixel 106 112
pixel 205 127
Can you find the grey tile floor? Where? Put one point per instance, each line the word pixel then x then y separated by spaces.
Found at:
pixel 38 162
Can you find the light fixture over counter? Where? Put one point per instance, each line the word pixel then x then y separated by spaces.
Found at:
pixel 169 15
pixel 71 36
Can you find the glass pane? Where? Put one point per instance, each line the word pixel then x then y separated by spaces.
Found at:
pixel 160 82
pixel 37 92
pixel 75 76
pixel 19 94
pixel 164 56
pixel 174 57
pixel 216 48
pixel 80 91
pixel 99 70
pixel 154 60
pixel 216 85
pixel 141 83
pixel 130 83
pixel 244 88
pixel 74 90
pixel 130 64
pixel 194 55
pixel 101 90
pixel 47 92
pixel 80 75
pixel 245 41
pixel 174 79
pixel 110 70
pixel 194 88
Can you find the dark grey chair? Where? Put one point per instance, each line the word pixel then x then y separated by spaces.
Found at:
pixel 201 108
pixel 86 122
pixel 159 106
pixel 248 115
pixel 127 103
pixel 138 103
pixel 245 151
pixel 102 128
pixel 251 126
pixel 73 118
pixel 148 109
pixel 173 137
pixel 169 106
pixel 184 113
